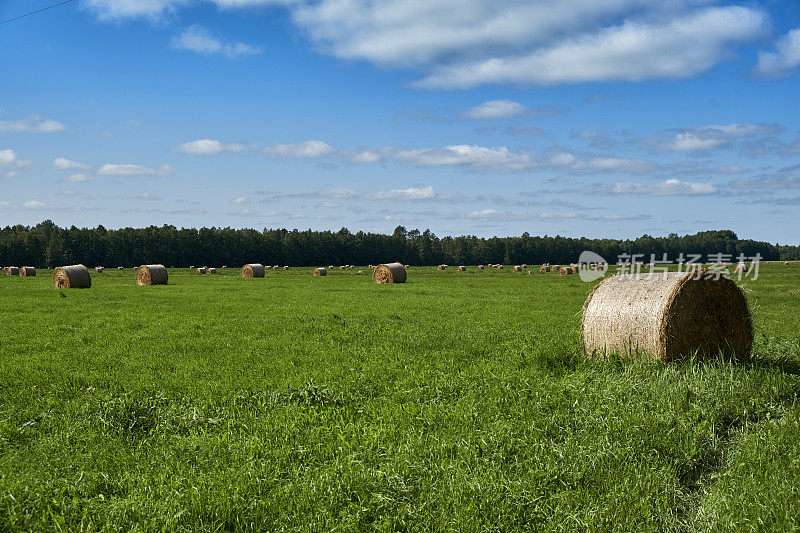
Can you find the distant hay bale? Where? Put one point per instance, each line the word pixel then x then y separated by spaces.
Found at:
pixel 406 266
pixel 565 270
pixel 390 273
pixel 351 266
pixel 544 268
pixel 320 271
pixel 120 268
pixel 211 270
pixel 331 267
pixel 669 315
pixel 201 270
pixel 517 268
pixel 499 267
pixel 556 269
pixel 462 268
pixel 151 275
pixel 12 271
pixel 286 268
pixel 72 277
pixel 99 269
pixel 253 270
pixel 224 266
pixel 441 267
pixel 276 267
pixel 524 265
pixel 480 267
pixel 191 267
pixel 741 268
pixel 27 272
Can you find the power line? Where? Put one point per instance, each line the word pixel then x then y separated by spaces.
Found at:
pixel 37 11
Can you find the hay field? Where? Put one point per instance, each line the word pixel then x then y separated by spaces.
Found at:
pixel 456 401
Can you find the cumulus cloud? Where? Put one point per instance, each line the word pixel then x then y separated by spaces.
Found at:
pixel 208 147
pixel 670 187
pixel 121 9
pixel 632 51
pixel 128 170
pixel 605 164
pixel 712 136
pixel 62 163
pixel 783 61
pixel 412 193
pixel 34 124
pixel 199 39
pixel 305 150
pixel 33 205
pixel 8 158
pixel 77 178
pixel 476 158
pixel 495 109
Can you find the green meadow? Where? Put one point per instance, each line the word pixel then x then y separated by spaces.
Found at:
pixel 458 401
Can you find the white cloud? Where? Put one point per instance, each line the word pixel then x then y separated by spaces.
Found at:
pixel 670 187
pixel 133 170
pixel 412 193
pixel 784 61
pixel 477 158
pixel 121 9
pixel 199 39
pixel 62 163
pixel 77 178
pixel 714 136
pixel 240 200
pixel 496 109
pixel 563 160
pixel 33 205
pixel 34 124
pixel 633 51
pixel 617 164
pixel 305 149
pixel 8 158
pixel 208 147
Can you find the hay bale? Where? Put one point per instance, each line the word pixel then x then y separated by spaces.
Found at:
pixel 151 275
pixel 72 277
pixel 27 272
pixel 524 265
pixel 99 269
pixel 253 270
pixel 390 273
pixel 441 267
pixel 462 268
pixel 517 268
pixel 191 267
pixel 276 267
pixel 211 270
pixel 741 268
pixel 406 266
pixel 201 270
pixel 544 268
pixel 668 316
pixel 286 268
pixel 565 271
pixel 120 268
pixel 555 268
pixel 499 267
pixel 320 271
pixel 12 271
pixel 480 267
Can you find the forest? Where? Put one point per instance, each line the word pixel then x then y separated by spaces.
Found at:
pixel 47 245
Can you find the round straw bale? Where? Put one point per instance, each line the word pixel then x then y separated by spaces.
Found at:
pixel 406 266
pixel 499 267
pixel 441 267
pixel 667 315
pixel 201 270
pixel 480 267
pixel 72 277
pixel 12 271
pixel 286 268
pixel 390 273
pixel 211 270
pixel 276 267
pixel 461 268
pixel 565 270
pixel 27 272
pixel 555 268
pixel 99 269
pixel 191 267
pixel 740 268
pixel 524 265
pixel 320 271
pixel 253 270
pixel 544 268
pixel 151 275
pixel 330 267
pixel 517 268
pixel 120 268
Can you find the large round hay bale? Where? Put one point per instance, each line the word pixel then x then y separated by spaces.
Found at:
pixel 253 270
pixel 72 277
pixel 565 271
pixel 320 271
pixel 12 271
pixel 151 275
pixel 99 269
pixel 27 272
pixel 390 273
pixel 201 270
pixel 667 316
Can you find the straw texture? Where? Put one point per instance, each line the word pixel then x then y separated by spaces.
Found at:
pixel 12 271
pixel 253 270
pixel 667 316
pixel 27 272
pixel 72 277
pixel 390 273
pixel 151 275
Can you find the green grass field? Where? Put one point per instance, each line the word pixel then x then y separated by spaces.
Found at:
pixel 457 401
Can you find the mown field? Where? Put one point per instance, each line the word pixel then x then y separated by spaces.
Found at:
pixel 457 401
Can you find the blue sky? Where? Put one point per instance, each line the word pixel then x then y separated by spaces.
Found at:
pixel 597 118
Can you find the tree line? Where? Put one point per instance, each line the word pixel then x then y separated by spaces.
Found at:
pixel 47 245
